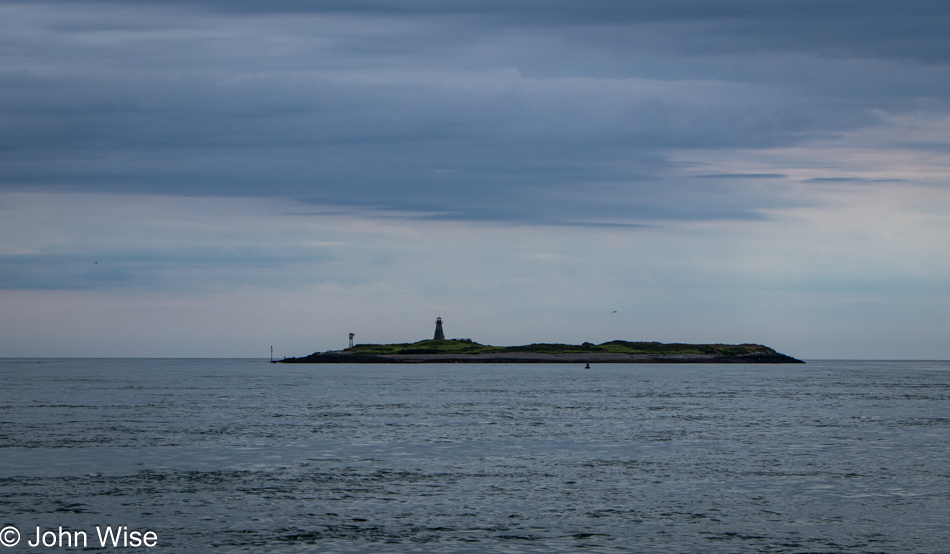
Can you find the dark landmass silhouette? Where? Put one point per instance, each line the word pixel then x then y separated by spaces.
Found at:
pixel 618 351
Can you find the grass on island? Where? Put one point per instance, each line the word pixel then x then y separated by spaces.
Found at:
pixel 617 346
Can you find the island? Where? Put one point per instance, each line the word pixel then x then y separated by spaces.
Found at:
pixel 440 350
pixel 614 352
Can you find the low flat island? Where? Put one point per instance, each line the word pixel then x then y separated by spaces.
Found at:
pixel 616 352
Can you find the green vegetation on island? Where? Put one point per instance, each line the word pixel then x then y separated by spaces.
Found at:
pixel 617 351
pixel 616 346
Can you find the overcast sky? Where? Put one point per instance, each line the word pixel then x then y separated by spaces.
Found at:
pixel 212 178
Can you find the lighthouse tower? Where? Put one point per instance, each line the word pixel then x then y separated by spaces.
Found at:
pixel 439 335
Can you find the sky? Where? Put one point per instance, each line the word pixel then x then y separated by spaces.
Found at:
pixel 212 178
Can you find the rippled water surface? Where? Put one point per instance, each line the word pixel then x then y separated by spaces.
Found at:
pixel 245 456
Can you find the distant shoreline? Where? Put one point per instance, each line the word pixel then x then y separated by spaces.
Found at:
pixel 449 352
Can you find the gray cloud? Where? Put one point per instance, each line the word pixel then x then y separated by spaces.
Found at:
pixel 518 111
pixel 858 180
pixel 875 28
pixel 741 176
pixel 188 269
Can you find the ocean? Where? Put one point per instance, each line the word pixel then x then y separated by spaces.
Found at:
pixel 215 455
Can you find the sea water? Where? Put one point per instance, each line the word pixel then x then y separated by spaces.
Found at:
pixel 246 456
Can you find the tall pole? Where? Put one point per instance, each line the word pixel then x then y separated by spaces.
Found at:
pixel 271 354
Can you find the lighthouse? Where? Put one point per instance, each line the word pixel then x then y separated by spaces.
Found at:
pixel 439 335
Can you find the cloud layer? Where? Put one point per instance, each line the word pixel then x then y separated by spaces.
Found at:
pixel 556 113
pixel 727 170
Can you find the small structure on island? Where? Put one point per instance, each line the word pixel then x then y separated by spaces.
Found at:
pixel 439 334
pixel 351 339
